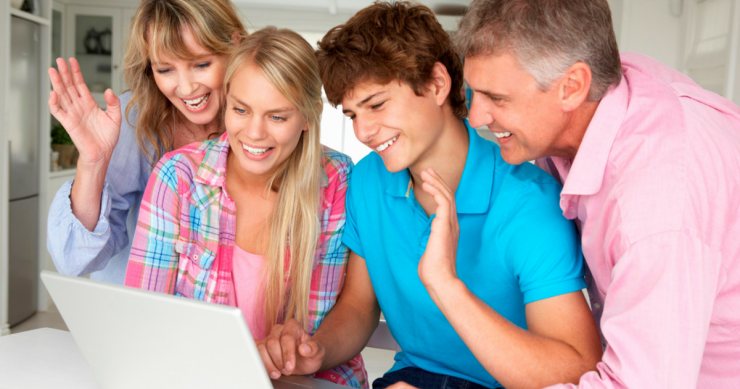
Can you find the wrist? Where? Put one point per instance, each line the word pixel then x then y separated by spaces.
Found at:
pixel 449 287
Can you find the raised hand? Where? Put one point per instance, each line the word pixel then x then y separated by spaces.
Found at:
pixel 439 262
pixel 290 350
pixel 94 131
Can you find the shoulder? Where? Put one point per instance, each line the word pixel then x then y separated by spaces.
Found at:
pixel 184 162
pixel 370 170
pixel 336 165
pixel 526 184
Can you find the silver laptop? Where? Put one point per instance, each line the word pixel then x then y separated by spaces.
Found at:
pixel 132 338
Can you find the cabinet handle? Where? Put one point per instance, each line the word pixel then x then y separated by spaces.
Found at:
pixel 115 67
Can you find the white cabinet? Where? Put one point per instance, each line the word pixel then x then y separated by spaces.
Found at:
pixel 92 35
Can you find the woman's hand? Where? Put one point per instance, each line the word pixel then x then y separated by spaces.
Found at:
pixel 93 131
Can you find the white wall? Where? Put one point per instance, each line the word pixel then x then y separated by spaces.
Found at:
pixel 649 27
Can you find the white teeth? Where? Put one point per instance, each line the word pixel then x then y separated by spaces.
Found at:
pixel 197 103
pixel 386 145
pixel 255 151
pixel 502 134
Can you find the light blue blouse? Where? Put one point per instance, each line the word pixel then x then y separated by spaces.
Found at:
pixel 103 252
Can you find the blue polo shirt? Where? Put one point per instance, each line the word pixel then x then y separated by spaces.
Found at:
pixel 515 247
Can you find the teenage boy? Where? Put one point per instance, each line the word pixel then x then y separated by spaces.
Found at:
pixel 396 74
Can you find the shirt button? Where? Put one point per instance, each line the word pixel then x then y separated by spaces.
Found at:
pixel 195 256
pixel 597 305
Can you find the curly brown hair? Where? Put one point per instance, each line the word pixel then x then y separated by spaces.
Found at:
pixel 389 41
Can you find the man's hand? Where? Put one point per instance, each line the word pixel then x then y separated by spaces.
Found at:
pixel 289 349
pixel 439 262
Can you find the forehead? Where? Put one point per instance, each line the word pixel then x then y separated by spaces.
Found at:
pixel 366 89
pixel 185 46
pixel 495 71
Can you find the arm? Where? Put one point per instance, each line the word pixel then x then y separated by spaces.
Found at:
pixel 153 262
pixel 657 314
pixel 342 335
pixel 562 342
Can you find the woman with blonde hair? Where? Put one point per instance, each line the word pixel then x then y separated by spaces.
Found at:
pixel 254 219
pixel 175 60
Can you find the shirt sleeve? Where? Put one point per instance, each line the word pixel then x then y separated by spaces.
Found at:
pixel 74 249
pixel 351 236
pixel 656 314
pixel 327 279
pixel 543 248
pixel 153 261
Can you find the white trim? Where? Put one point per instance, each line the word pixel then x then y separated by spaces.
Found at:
pixel 4 163
pixel 28 16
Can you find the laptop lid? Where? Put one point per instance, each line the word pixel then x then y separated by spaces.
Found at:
pixel 133 338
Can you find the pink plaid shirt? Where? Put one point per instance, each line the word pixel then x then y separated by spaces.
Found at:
pixel 655 190
pixel 184 239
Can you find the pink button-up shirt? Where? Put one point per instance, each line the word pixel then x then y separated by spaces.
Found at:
pixel 655 191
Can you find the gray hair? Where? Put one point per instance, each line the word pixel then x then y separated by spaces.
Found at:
pixel 546 37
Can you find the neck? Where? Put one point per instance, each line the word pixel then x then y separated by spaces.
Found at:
pixel 446 156
pixel 575 130
pixel 244 181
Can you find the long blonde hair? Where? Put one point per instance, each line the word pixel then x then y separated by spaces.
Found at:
pixel 288 62
pixel 156 29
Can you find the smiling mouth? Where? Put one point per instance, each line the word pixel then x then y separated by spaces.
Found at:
pixel 387 144
pixel 197 103
pixel 256 151
pixel 500 135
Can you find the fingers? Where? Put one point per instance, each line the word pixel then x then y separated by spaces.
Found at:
pixel 54 107
pixel 67 80
pixel 270 367
pixel 311 349
pixel 274 348
pixel 77 81
pixel 113 106
pixel 443 196
pixel 58 87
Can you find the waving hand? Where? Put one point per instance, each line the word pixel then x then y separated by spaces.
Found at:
pixel 93 131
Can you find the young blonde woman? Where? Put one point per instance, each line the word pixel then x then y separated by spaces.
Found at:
pixel 174 63
pixel 254 219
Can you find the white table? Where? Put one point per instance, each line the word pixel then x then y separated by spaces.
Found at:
pixel 43 358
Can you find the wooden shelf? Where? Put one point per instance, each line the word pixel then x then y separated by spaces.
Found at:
pixel 28 16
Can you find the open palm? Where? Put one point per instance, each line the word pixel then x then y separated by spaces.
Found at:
pixel 94 131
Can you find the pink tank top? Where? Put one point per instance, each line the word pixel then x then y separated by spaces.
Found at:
pixel 244 294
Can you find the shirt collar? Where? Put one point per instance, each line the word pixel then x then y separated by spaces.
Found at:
pixel 587 173
pixel 473 193
pixel 212 171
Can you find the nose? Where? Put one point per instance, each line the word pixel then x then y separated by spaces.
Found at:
pixel 479 115
pixel 186 84
pixel 365 129
pixel 256 129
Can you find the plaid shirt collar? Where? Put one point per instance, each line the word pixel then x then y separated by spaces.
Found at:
pixel 212 171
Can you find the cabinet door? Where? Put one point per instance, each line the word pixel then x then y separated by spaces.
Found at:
pixel 93 37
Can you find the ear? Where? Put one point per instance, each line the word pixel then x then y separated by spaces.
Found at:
pixel 236 38
pixel 573 88
pixel 440 83
pixel 305 126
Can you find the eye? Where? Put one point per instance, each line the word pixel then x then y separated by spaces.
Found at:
pixel 277 118
pixel 162 71
pixel 376 106
pixel 203 65
pixel 351 117
pixel 239 111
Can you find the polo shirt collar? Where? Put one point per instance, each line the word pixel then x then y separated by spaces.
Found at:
pixel 587 173
pixel 212 171
pixel 473 193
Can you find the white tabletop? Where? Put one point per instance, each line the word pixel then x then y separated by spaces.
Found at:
pixel 43 358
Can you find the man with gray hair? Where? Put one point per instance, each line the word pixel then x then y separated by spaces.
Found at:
pixel 650 167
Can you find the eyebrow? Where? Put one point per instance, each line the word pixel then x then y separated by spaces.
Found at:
pixel 490 95
pixel 366 100
pixel 276 110
pixel 195 59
